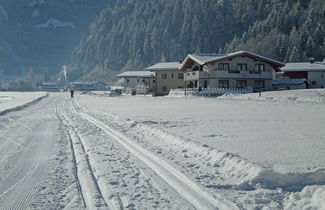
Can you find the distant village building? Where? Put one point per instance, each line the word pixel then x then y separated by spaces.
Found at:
pixel 168 76
pixel 132 80
pixel 312 71
pixel 89 86
pixel 49 86
pixel 235 70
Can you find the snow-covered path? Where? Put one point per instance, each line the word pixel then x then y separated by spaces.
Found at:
pixel 60 154
pixel 24 148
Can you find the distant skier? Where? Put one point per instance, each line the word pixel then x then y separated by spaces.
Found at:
pixel 71 93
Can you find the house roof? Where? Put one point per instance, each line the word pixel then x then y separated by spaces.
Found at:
pixel 289 81
pixel 203 59
pixel 136 74
pixel 307 66
pixel 164 66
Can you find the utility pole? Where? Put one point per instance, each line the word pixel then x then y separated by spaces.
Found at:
pixel 185 74
pixel 260 82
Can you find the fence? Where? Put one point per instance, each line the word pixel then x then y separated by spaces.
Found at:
pixel 209 92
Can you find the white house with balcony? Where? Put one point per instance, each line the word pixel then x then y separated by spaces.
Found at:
pixel 142 81
pixel 235 70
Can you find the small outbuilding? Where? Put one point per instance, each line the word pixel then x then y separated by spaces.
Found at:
pixel 312 71
pixel 139 81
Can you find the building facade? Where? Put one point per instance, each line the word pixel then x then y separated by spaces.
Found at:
pixel 168 76
pixel 137 79
pixel 89 86
pixel 236 70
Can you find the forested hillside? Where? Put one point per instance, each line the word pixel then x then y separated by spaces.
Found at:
pixel 133 34
pixel 41 34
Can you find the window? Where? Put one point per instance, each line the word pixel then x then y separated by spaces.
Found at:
pixel 154 81
pixel 223 66
pixel 180 76
pixel 138 80
pixel 313 82
pixel 143 80
pixel 257 84
pixel 180 87
pixel 241 83
pixel 127 80
pixel 258 68
pixel 223 84
pixel 164 88
pixel 172 76
pixel 164 76
pixel 241 67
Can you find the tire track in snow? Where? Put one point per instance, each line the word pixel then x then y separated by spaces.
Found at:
pixel 189 190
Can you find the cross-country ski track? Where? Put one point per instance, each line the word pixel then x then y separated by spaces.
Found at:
pixel 186 188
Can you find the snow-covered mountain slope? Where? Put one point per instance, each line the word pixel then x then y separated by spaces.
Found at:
pixel 40 34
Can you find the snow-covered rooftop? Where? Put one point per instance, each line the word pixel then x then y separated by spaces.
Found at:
pixel 204 59
pixel 307 66
pixel 164 66
pixel 137 74
pixel 207 57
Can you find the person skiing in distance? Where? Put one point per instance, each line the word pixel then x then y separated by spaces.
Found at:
pixel 71 93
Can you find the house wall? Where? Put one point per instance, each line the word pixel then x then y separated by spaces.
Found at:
pixel 317 79
pixel 297 74
pixel 163 86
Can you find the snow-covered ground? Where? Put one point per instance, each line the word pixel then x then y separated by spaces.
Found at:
pixel 284 131
pixel 12 100
pixel 139 152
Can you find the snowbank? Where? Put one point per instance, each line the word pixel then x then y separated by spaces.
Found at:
pixel 311 197
pixel 306 95
pixel 10 101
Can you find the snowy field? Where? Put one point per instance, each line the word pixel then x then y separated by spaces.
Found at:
pixel 277 131
pixel 141 152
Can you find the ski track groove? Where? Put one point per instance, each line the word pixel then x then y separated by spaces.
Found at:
pixel 86 190
pixel 74 162
pixel 189 190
